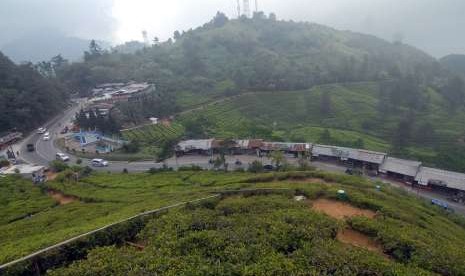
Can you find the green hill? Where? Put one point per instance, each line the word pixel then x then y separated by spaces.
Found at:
pixel 455 63
pixel 249 233
pixel 226 56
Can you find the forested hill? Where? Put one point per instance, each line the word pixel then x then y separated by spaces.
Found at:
pixel 255 54
pixel 455 63
pixel 27 99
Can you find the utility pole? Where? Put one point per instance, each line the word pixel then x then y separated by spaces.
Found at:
pixel 238 9
pixel 256 5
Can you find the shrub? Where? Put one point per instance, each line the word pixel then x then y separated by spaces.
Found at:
pixel 125 171
pixel 58 166
pixel 256 167
pixel 193 168
pixel 79 161
pixel 4 163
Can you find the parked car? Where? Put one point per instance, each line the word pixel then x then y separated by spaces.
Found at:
pixel 62 157
pixel 268 168
pixel 41 130
pixel 99 163
pixel 30 147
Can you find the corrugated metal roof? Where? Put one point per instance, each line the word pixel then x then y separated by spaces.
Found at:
pixel 441 177
pixel 370 156
pixel 195 145
pixel 400 166
pixel 349 153
pixel 294 147
pixel 255 143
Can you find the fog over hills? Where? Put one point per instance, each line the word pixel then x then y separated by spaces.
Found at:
pixel 433 26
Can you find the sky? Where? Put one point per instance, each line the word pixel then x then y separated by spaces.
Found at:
pixel 435 26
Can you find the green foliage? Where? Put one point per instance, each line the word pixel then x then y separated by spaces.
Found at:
pixel 58 166
pixel 27 99
pixel 20 199
pixel 285 238
pixel 157 139
pixel 281 225
pixel 256 167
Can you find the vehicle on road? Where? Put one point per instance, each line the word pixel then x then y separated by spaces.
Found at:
pixel 268 168
pixel 41 130
pixel 441 204
pixel 30 147
pixel 46 136
pixel 99 163
pixel 238 162
pixel 62 157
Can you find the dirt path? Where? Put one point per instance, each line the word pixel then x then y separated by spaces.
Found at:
pixel 61 198
pixel 340 210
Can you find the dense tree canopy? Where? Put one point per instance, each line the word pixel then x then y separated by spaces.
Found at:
pixel 27 98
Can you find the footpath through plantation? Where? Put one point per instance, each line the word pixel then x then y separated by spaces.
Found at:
pixel 287 223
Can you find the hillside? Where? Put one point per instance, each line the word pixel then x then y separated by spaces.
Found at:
pixel 385 230
pixel 27 99
pixel 361 115
pixel 455 63
pixel 228 56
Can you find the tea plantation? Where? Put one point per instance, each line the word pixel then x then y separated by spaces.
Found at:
pixel 255 233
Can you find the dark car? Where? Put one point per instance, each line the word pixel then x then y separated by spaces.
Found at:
pixel 268 168
pixel 30 147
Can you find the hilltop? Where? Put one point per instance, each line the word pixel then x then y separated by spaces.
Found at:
pixel 255 54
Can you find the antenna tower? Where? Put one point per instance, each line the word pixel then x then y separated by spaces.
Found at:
pixel 246 7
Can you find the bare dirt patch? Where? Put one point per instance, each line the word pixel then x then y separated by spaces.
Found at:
pixel 51 175
pixel 355 238
pixel 61 198
pixel 340 210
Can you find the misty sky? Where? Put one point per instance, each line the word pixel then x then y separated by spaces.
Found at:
pixel 435 26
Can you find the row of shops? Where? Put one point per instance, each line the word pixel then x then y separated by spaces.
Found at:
pixel 371 162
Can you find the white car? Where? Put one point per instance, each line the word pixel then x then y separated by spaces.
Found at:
pixel 99 163
pixel 46 137
pixel 41 130
pixel 62 157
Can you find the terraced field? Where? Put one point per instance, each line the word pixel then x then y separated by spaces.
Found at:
pixel 154 134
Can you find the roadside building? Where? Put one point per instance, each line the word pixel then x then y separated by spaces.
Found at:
pixel 370 160
pixel 203 147
pixel 93 142
pixel 296 149
pixel 400 169
pixel 32 172
pixel 441 179
pixel 9 138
